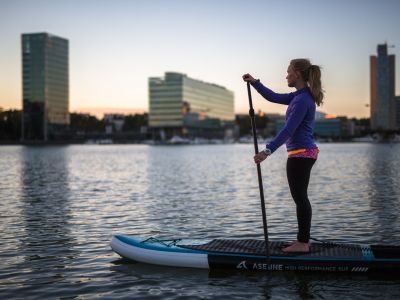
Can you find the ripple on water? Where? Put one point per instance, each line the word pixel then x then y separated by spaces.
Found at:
pixel 61 205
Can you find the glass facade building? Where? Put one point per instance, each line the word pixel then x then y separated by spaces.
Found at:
pixel 45 86
pixel 398 111
pixel 181 105
pixel 383 103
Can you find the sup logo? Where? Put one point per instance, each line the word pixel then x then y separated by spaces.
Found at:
pixel 242 265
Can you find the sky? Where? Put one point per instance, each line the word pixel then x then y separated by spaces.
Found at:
pixel 116 45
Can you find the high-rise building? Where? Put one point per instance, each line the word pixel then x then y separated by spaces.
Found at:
pixel 383 105
pixel 180 105
pixel 45 86
pixel 397 98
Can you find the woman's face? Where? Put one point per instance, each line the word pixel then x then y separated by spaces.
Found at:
pixel 291 76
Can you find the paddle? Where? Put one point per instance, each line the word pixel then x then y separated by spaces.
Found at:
pixel 260 184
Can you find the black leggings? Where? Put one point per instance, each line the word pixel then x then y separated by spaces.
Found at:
pixel 298 170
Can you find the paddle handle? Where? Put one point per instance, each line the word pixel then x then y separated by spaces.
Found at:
pixel 260 183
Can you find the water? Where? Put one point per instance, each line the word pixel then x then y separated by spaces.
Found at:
pixel 60 205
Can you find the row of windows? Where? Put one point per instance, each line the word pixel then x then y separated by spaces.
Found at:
pixel 224 104
pixel 175 116
pixel 57 68
pixel 57 83
pixel 164 94
pixel 212 110
pixel 166 115
pixel 57 88
pixel 178 90
pixel 202 85
pixel 216 94
pixel 215 97
pixel 210 114
pixel 193 107
pixel 156 118
pixel 59 103
pixel 51 94
pixel 40 97
pixel 208 103
pixel 55 71
pixel 165 97
pixel 57 110
pixel 54 83
pixel 209 106
pixel 57 99
pixel 158 87
pixel 166 112
pixel 177 105
pixel 59 62
pixel 160 105
pixel 34 98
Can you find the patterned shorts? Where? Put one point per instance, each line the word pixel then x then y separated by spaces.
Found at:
pixel 305 153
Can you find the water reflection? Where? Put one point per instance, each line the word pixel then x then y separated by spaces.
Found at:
pixel 383 166
pixel 47 240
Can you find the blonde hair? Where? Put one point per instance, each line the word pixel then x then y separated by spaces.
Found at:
pixel 311 74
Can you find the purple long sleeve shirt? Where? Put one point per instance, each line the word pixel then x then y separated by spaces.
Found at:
pixel 300 118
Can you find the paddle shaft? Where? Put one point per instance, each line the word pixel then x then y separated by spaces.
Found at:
pixel 260 183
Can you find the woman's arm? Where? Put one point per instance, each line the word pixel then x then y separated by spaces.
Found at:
pixel 270 95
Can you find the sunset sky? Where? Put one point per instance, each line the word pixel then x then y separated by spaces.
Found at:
pixel 115 46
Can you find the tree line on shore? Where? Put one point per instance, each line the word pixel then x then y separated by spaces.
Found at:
pixel 11 126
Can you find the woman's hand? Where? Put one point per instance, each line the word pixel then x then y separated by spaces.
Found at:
pixel 248 78
pixel 258 158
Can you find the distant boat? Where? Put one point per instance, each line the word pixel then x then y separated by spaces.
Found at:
pixel 177 140
pixel 396 139
pixel 200 141
pixel 99 142
pixel 364 139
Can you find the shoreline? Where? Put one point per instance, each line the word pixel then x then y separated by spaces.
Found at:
pixel 158 143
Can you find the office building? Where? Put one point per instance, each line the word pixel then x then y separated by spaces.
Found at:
pixel 45 85
pixel 397 98
pixel 383 105
pixel 319 115
pixel 180 105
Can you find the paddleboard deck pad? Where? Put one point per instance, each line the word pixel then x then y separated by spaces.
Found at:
pixel 250 254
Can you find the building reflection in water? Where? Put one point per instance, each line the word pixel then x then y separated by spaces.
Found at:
pixel 48 241
pixel 383 173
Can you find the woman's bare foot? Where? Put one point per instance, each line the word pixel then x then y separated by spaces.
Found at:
pixel 297 247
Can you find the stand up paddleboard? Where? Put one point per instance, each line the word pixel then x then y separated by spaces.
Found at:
pixel 254 254
pixel 250 255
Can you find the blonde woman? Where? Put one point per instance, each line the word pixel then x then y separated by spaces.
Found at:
pixel 298 136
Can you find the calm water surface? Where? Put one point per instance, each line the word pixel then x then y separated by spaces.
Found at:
pixel 60 205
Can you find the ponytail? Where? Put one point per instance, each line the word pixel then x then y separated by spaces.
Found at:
pixel 314 81
pixel 311 74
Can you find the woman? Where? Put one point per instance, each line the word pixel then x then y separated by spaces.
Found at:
pixel 298 135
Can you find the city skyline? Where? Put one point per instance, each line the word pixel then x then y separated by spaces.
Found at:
pixel 116 46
